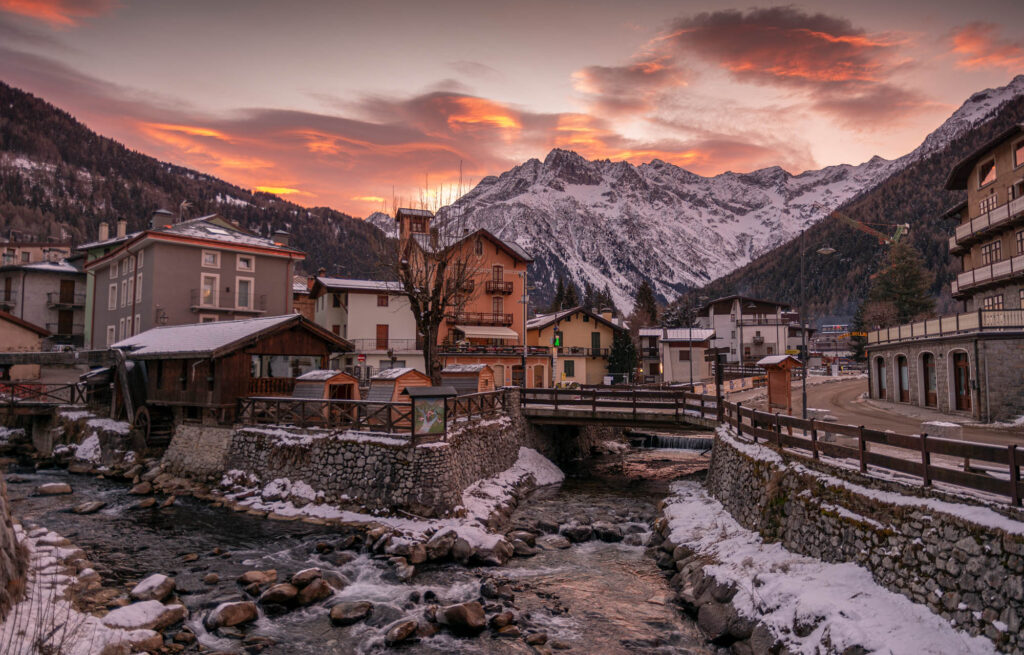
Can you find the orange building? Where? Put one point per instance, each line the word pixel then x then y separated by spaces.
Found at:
pixel 490 326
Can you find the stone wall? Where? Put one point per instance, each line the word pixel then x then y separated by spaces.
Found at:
pixel 964 561
pixel 13 558
pixel 198 451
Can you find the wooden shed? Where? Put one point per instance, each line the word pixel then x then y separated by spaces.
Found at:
pixel 387 386
pixel 780 391
pixel 468 378
pixel 325 383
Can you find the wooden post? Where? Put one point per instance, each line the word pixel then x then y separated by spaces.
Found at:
pixel 814 440
pixel 926 461
pixel 1014 475
pixel 675 406
pixel 862 448
pixel 634 403
pixel 739 418
pixel 554 392
pixel 778 431
pixel 593 409
pixel 700 401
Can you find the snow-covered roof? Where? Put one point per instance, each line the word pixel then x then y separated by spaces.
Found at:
pixel 415 212
pixel 300 284
pixel 391 373
pixel 650 332
pixel 107 242
pixel 463 368
pixel 773 360
pixel 543 320
pixel 318 375
pixel 62 267
pixel 360 285
pixel 207 339
pixel 688 334
pixel 204 228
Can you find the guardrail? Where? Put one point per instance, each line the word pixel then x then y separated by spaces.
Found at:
pixel 982 320
pixel 12 394
pixel 57 298
pixel 911 454
pixel 985 223
pixel 672 405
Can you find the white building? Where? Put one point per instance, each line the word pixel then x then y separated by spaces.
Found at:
pixel 375 317
pixel 751 328
pixel 682 355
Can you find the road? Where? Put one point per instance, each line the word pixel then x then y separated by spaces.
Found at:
pixel 843 400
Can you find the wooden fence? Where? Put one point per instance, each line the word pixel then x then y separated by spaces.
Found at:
pixel 41 394
pixel 911 455
pixel 673 405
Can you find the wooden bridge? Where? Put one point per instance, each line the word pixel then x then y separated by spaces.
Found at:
pixel 31 399
pixel 620 408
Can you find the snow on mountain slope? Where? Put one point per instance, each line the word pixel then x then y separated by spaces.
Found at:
pixel 613 223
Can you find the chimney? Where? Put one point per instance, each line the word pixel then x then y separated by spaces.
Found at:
pixel 104 231
pixel 320 272
pixel 608 314
pixel 122 228
pixel 160 218
pixel 282 237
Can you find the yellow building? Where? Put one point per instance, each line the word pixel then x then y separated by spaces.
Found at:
pixel 586 342
pixel 17 335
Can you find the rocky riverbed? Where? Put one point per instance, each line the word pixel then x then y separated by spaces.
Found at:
pixel 580 580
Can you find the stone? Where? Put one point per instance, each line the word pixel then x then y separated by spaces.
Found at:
pixel 90 507
pixel 231 614
pixel 259 577
pixel 499 621
pixel 191 557
pixel 547 526
pixel 185 637
pixel 497 555
pixel 211 579
pixel 400 631
pixel 560 645
pixel 53 489
pixel 762 640
pixel 349 613
pixel 462 550
pixel 314 592
pixel 577 533
pixel 510 632
pixel 608 532
pixel 463 618
pixel 155 587
pixel 537 639
pixel 552 542
pixel 305 576
pixel 146 615
pixel 280 594
pixel 521 549
pixel 168 501
pixel 528 537
pixel 714 619
pixel 141 489
pixel 145 503
pixel 336 580
pixel 440 545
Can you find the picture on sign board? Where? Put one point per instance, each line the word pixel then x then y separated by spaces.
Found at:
pixel 428 416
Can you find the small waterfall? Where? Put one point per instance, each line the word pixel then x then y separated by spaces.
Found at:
pixel 682 442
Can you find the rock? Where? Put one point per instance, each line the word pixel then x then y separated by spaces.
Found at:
pixel 259 577
pixel 305 576
pixel 440 545
pixel 314 592
pixel 79 466
pixel 147 615
pixel 547 526
pixel 400 631
pixel 280 594
pixel 191 557
pixel 552 542
pixel 53 489
pixel 528 537
pixel 168 501
pixel 349 613
pixel 231 614
pixel 252 589
pixel 185 637
pixel 340 558
pixel 417 554
pixel 510 631
pixel 155 587
pixel 560 645
pixel 714 619
pixel 336 580
pixel 90 507
pixel 145 503
pixel 467 618
pixel 537 638
pixel 762 640
pixel 141 489
pixel 607 532
pixel 211 579
pixel 521 549
pixel 499 621
pixel 497 555
pixel 578 533
pixel 462 550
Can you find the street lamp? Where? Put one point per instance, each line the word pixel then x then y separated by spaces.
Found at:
pixel 824 250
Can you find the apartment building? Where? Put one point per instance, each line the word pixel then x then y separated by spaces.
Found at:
pixel 194 271
pixel 586 342
pixel 969 363
pixel 682 353
pixel 50 295
pixel 751 328
pixel 14 251
pixel 375 317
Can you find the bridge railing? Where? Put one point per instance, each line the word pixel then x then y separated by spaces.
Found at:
pixel 988 468
pixel 674 405
pixel 24 393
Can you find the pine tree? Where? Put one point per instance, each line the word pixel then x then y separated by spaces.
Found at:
pixel 905 283
pixel 604 299
pixel 572 296
pixel 857 342
pixel 622 359
pixel 556 303
pixel 646 309
pixel 588 295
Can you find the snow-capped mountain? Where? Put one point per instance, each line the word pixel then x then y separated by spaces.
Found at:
pixel 613 223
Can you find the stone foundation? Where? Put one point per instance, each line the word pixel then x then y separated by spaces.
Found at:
pixel 13 558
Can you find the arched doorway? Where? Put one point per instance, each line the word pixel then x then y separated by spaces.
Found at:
pixel 961 381
pixel 903 378
pixel 880 376
pixel 931 394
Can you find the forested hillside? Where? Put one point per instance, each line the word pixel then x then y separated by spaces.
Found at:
pixel 60 179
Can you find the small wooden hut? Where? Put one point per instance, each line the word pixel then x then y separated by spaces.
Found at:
pixel 325 383
pixel 387 386
pixel 779 369
pixel 468 378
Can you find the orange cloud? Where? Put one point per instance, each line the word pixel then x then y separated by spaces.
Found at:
pixel 282 191
pixel 471 110
pixel 58 13
pixel 979 46
pixel 628 89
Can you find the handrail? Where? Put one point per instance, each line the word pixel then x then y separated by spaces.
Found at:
pixel 21 393
pixel 982 320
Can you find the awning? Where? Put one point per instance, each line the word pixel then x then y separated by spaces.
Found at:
pixel 487 332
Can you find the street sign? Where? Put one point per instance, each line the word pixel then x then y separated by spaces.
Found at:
pixel 361 358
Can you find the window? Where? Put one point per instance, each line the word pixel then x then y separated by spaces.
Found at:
pixel 1020 242
pixel 684 354
pixel 478 247
pixel 124 292
pixel 138 287
pixel 211 259
pixel 245 263
pixel 382 300
pixel 120 329
pixel 112 296
pixel 129 264
pixel 498 306
pixel 987 204
pixel 1022 298
pixel 138 259
pixel 418 225
pixel 497 272
pixel 111 335
pixel 243 299
pixel 26 257
pixel 992 302
pixel 207 318
pixel 208 290
pixel 1018 154
pixel 8 291
pixel 987 173
pixel 570 367
pixel 771 350
pixel 113 270
pixel 337 299
pixel 336 329
pixel 138 323
pixel 131 291
pixel 595 340
pixel 382 337
pixel 128 326
pixel 283 366
pixel 991 252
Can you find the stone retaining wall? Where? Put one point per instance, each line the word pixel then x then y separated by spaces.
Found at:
pixel 13 558
pixel 964 561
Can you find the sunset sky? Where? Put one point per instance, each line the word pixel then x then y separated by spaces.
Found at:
pixel 337 103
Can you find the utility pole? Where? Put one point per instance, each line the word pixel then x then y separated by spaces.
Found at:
pixel 525 301
pixel 803 332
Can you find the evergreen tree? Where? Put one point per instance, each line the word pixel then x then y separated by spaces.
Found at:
pixel 572 296
pixel 904 283
pixel 556 303
pixel 604 299
pixel 646 309
pixel 622 359
pixel 589 298
pixel 857 342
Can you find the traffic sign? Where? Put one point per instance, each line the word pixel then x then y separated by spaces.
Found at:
pixel 361 358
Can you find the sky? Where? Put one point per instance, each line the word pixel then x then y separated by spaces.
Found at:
pixel 361 105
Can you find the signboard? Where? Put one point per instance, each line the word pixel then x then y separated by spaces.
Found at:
pixel 428 416
pixel 793 351
pixel 361 358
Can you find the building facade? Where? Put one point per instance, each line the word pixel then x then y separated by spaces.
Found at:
pixel 196 271
pixel 971 363
pixel 751 329
pixel 682 353
pixel 586 342
pixel 50 295
pixel 13 251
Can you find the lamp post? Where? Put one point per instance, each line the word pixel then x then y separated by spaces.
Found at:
pixel 824 250
pixel 524 301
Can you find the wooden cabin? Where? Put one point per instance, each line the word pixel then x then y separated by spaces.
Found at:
pixel 468 378
pixel 199 371
pixel 779 369
pixel 328 384
pixel 387 386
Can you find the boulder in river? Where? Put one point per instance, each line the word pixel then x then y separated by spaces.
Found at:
pixel 336 580
pixel 400 631
pixel 305 576
pixel 259 577
pixel 497 555
pixel 462 550
pixel 53 489
pixel 577 533
pixel 211 579
pixel 349 613
pixel 465 618
pixel 230 614
pixel 280 594
pixel 607 532
pixel 155 587
pixel 552 542
pixel 145 503
pixel 90 507
pixel 524 535
pixel 314 592
pixel 141 489
pixel 521 549
pixel 440 545
pixel 147 615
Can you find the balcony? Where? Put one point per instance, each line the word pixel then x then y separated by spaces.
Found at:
pixel 757 341
pixel 65 329
pixel 56 299
pixel 772 321
pixel 988 274
pixel 372 345
pixel 586 352
pixel 986 225
pixel 7 304
pixel 983 320
pixel 498 286
pixel 448 348
pixel 197 305
pixel 479 318
pixel 649 352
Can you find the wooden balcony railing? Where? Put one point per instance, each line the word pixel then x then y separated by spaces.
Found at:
pixel 265 386
pixel 983 320
pixel 480 318
pixel 498 286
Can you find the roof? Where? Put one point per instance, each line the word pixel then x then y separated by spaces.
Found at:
pixel 300 284
pixel 442 240
pixel 62 267
pixel 392 373
pixel 392 286
pixel 107 242
pixel 954 211
pixel 487 332
pixel 688 334
pixel 321 374
pixel 417 392
pixel 708 304
pixel 957 179
pixel 775 360
pixel 543 320
pixel 414 212
pixel 452 369
pixel 11 318
pixel 214 339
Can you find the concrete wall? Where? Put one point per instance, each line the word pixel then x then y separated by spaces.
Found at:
pixel 13 557
pixel 971 572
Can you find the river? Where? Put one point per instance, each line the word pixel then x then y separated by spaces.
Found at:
pixel 593 597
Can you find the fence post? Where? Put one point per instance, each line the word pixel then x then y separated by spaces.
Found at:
pixel 862 448
pixel 593 402
pixel 1014 475
pixel 700 401
pixel 778 430
pixel 555 393
pixel 739 418
pixel 814 440
pixel 926 461
pixel 634 403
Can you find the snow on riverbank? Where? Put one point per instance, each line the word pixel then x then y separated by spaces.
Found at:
pixel 781 589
